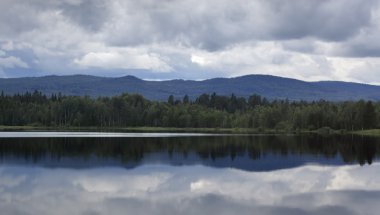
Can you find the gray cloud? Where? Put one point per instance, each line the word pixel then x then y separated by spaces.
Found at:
pixel 360 49
pixel 327 20
pixel 214 25
pixel 208 24
pixel 191 39
pixel 16 18
pixel 89 14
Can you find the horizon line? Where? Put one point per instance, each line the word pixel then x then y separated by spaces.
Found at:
pixel 181 79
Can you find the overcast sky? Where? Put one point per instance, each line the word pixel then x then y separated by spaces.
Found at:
pixel 192 39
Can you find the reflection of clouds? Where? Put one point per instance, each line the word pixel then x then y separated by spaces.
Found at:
pixel 9 181
pixel 213 204
pixel 190 190
pixel 129 185
pixel 200 185
pixel 355 178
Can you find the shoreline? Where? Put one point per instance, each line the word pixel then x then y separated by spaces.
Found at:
pixel 370 132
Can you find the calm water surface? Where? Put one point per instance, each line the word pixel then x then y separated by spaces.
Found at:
pixel 112 173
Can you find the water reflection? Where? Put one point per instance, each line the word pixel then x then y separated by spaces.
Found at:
pixel 256 153
pixel 163 189
pixel 177 175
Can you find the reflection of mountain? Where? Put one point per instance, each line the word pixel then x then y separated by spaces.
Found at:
pixel 242 152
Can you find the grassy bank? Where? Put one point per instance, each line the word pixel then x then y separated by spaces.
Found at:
pixel 325 131
pixel 371 132
pixel 146 129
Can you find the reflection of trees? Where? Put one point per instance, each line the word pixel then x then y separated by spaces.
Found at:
pixel 352 149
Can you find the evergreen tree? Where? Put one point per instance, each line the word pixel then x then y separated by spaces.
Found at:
pixel 171 100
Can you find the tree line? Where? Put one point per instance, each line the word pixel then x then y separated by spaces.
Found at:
pixel 205 111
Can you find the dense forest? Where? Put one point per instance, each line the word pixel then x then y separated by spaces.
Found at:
pixel 206 111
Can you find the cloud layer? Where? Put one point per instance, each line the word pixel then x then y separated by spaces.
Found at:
pixel 310 40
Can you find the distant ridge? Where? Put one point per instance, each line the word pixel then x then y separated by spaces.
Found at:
pixel 272 87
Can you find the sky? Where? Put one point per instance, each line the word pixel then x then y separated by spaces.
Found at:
pixel 190 39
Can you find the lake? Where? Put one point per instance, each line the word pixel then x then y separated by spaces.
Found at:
pixel 93 173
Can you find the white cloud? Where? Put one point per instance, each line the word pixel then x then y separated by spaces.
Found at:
pixel 201 61
pixel 127 60
pixel 267 58
pixel 12 62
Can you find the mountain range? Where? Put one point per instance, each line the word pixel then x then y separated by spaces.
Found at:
pixel 272 87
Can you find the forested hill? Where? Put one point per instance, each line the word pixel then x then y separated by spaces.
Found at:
pixel 271 87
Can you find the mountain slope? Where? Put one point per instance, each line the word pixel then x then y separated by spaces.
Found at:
pixel 269 86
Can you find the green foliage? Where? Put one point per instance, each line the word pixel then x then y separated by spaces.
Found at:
pixel 206 111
